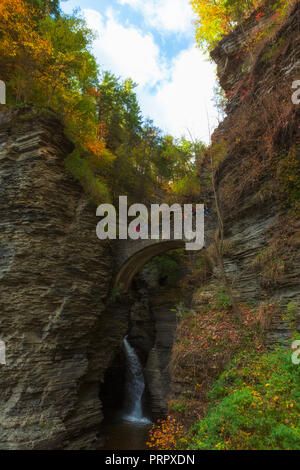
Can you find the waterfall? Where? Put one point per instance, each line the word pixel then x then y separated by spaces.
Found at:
pixel 135 386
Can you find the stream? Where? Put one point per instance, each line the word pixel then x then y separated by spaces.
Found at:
pixel 128 429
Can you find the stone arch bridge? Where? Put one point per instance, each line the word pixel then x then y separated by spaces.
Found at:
pixel 132 255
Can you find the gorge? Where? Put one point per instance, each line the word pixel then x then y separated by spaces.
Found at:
pixel 69 301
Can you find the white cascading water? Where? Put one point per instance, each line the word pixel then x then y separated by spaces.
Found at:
pixel 135 386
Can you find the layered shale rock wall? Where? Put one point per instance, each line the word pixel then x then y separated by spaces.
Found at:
pixel 151 331
pixel 258 177
pixel 257 152
pixel 54 280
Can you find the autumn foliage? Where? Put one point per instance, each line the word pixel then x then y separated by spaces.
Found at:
pixel 165 435
pixel 24 53
pixel 220 17
pixel 46 63
pixel 214 19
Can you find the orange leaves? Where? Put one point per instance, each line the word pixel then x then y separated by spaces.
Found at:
pixel 94 145
pixel 165 435
pixel 94 92
pixel 18 29
pixel 10 8
pixel 22 50
pixel 259 15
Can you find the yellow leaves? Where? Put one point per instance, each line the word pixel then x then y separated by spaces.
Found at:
pixel 289 405
pixel 217 18
pixel 213 20
pixel 13 7
pixel 20 39
pixel 166 434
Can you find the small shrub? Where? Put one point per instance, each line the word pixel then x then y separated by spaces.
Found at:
pixel 291 314
pixel 270 265
pixel 265 314
pixel 178 405
pixel 181 310
pixel 222 299
pixel 96 189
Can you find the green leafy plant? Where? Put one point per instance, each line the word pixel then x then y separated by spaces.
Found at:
pixel 253 405
pixel 222 300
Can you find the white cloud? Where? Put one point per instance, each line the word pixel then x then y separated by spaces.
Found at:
pixel 126 51
pixel 183 103
pixel 173 16
pixel 183 87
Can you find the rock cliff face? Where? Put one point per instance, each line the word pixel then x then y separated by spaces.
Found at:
pixel 258 178
pixel 62 333
pixel 257 148
pixel 54 280
pixel 157 368
pixel 151 331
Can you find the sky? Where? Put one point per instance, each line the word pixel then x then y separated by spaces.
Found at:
pixel 152 42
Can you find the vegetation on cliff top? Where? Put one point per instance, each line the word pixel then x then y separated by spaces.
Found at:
pixel 46 61
pixel 215 19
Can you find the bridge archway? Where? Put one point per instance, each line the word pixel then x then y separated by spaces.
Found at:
pixel 137 260
pixel 132 255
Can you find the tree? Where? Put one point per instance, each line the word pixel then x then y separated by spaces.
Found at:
pixel 118 110
pixel 23 52
pixel 70 78
pixel 46 60
pixel 218 17
pixel 48 7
